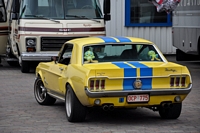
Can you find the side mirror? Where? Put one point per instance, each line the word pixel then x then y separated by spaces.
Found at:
pixel 106 10
pixel 54 58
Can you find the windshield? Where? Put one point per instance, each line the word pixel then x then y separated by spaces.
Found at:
pixel 2 12
pixel 60 9
pixel 120 52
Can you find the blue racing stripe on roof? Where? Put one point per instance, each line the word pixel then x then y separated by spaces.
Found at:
pixel 128 72
pixel 123 39
pixel 107 39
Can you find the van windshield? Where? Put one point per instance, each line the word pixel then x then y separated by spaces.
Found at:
pixel 60 9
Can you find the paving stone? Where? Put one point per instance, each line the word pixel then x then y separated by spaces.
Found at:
pixel 20 113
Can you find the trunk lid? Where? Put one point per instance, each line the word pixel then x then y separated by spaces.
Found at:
pixel 126 75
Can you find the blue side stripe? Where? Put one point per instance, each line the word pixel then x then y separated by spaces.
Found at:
pixel 128 72
pixel 123 39
pixel 107 39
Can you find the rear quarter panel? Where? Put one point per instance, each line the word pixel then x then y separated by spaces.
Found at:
pixel 77 78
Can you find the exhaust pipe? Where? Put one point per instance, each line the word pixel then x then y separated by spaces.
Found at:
pixel 105 107
pixel 111 107
pixel 170 105
pixel 167 105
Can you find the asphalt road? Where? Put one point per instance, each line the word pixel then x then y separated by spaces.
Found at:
pixel 19 111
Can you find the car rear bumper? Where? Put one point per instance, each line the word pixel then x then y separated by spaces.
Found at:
pixel 150 92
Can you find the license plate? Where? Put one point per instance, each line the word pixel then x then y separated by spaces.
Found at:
pixel 138 98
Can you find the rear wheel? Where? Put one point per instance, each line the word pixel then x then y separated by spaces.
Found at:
pixel 75 111
pixel 170 112
pixel 41 95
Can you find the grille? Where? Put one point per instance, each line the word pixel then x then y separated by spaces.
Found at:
pixel 54 43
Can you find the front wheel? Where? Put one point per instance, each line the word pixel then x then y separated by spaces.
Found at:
pixel 25 67
pixel 75 111
pixel 172 112
pixel 41 95
pixel 13 63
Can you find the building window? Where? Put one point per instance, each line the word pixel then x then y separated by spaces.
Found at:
pixel 143 13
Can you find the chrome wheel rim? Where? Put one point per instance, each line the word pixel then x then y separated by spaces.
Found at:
pixel 68 103
pixel 40 91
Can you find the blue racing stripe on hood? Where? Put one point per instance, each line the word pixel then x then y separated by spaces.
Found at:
pixel 123 39
pixel 128 72
pixel 107 39
pixel 144 71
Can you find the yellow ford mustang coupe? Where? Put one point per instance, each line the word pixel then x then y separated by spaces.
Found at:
pixel 111 73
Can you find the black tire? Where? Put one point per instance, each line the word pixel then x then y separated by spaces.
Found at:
pixel 180 55
pixel 171 112
pixel 75 111
pixel 41 95
pixel 25 68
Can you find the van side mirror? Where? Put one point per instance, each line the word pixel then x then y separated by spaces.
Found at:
pixel 106 10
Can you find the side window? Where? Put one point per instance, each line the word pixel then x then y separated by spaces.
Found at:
pixel 2 12
pixel 66 54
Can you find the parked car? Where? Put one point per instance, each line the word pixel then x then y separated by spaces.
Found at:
pixel 112 73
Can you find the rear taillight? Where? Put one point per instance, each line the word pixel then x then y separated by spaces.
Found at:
pixel 177 81
pixel 172 81
pixel 102 84
pixel 97 84
pixel 91 84
pixel 183 79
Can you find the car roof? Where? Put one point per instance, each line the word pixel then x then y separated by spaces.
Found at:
pixel 108 39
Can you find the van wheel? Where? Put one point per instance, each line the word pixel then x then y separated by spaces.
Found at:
pixel 75 111
pixel 181 56
pixel 13 63
pixel 170 112
pixel 41 95
pixel 25 68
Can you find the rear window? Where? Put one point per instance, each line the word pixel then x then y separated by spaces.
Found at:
pixel 120 52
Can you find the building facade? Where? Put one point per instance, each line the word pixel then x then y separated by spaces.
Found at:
pixel 139 18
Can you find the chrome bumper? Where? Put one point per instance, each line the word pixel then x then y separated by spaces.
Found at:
pixel 38 56
pixel 132 92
